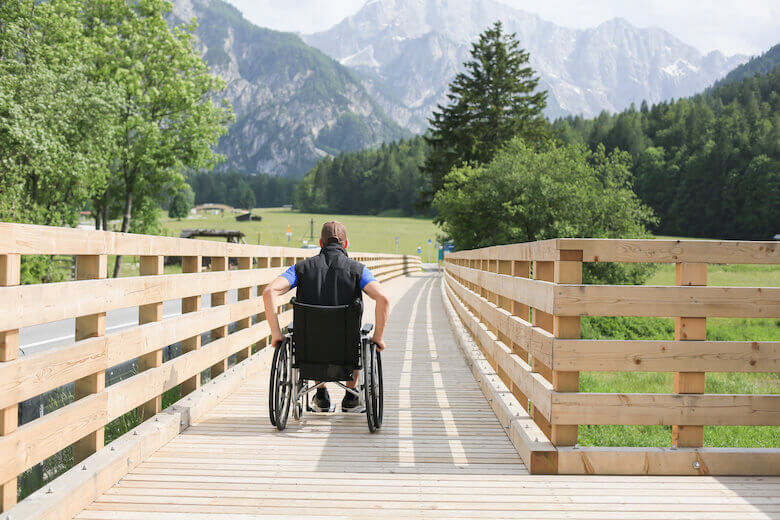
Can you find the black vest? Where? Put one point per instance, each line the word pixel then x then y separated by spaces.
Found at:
pixel 329 278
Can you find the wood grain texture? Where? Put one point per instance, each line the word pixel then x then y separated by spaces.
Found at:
pixel 537 294
pixel 666 356
pixel 667 461
pixel 440 454
pixel 668 409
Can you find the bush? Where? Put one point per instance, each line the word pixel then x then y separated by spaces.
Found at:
pixel 526 194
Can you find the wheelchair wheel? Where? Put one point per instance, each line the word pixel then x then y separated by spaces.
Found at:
pixel 284 384
pixel 374 388
pixel 280 386
pixel 273 386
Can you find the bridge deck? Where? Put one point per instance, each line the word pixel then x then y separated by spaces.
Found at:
pixel 441 453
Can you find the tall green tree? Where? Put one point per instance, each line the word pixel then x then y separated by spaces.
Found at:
pixel 494 100
pixel 56 119
pixel 168 120
pixel 709 165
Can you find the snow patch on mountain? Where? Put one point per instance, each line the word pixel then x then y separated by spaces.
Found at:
pixel 418 46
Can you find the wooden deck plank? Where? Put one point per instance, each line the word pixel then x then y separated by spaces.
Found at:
pixel 440 454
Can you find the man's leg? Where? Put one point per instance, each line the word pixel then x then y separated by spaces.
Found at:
pixel 351 403
pixel 321 401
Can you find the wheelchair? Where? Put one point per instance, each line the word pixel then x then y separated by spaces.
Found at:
pixel 325 344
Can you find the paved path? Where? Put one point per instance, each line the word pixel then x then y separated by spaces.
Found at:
pixel 440 454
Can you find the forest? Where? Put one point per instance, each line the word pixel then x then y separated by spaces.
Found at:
pixel 709 166
pixel 368 182
pixel 242 191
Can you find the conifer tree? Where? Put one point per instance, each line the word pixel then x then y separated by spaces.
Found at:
pixel 491 102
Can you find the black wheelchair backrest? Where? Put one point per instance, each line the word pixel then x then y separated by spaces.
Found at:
pixel 326 340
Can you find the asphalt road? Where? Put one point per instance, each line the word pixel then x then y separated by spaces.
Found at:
pixel 40 338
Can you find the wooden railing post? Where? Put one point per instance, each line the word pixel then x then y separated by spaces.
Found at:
pixel 244 293
pixel 566 327
pixel 150 266
pixel 521 269
pixel 219 263
pixel 262 263
pixel 9 350
pixel 89 267
pixel 190 264
pixel 689 329
pixel 542 271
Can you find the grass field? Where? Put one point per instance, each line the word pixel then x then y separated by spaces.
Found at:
pixel 718 329
pixel 366 233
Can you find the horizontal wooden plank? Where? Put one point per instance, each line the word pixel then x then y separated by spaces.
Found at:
pixel 537 341
pixel 32 375
pixel 128 394
pixel 536 293
pixel 672 251
pixel 639 300
pixel 534 386
pixel 666 356
pixel 39 439
pixel 622 250
pixel 668 461
pixel 27 305
pixel 665 409
pixel 544 250
pixel 28 239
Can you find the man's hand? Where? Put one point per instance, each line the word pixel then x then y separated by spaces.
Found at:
pixel 276 288
pixel 380 344
pixel 377 293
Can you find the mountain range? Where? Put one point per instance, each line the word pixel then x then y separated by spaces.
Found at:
pixel 407 51
pixel 377 75
pixel 293 105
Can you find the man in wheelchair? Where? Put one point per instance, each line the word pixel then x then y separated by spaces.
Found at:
pixel 330 278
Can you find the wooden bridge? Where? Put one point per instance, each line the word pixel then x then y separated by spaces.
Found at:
pixel 482 388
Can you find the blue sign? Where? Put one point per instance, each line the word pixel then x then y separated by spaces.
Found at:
pixel 429 240
pixel 419 250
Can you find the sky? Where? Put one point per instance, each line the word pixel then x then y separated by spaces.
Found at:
pixel 731 26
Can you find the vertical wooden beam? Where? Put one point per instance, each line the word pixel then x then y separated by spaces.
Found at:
pixel 262 263
pixel 566 327
pixel 522 269
pixel 90 267
pixel 244 293
pixel 150 266
pixel 508 267
pixel 689 329
pixel 542 271
pixel 190 264
pixel 10 271
pixel 219 263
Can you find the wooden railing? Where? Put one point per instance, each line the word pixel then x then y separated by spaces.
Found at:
pixel 522 304
pixel 85 362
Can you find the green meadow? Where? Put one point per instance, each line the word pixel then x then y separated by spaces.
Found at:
pixel 718 329
pixel 375 234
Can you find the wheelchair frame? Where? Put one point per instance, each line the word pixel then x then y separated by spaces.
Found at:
pixel 287 387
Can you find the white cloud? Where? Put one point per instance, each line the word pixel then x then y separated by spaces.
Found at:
pixel 748 26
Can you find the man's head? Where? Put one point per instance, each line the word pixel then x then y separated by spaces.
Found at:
pixel 334 232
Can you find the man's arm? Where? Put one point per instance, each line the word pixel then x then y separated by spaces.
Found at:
pixel 276 288
pixel 377 293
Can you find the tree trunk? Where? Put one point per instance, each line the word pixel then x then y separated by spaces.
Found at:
pixel 125 229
